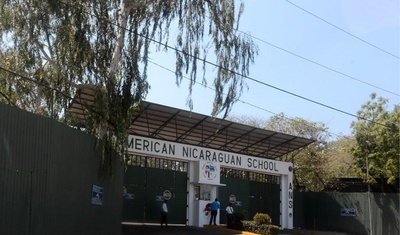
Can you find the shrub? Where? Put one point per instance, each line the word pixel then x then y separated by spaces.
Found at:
pixel 274 230
pixel 264 229
pixel 261 218
pixel 248 225
pixel 261 224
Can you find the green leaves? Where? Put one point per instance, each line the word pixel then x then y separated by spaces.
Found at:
pixel 378 140
pixel 106 44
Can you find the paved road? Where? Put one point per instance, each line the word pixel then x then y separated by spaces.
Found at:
pixel 171 230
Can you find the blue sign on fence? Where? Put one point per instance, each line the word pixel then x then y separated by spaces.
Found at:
pixel 97 195
pixel 348 212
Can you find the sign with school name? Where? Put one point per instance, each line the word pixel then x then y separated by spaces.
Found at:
pixel 168 149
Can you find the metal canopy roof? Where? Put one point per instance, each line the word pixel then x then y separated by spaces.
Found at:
pixel 181 126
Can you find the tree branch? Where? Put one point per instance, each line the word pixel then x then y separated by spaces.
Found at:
pixel 127 6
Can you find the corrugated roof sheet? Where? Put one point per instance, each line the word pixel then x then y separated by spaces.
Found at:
pixel 182 126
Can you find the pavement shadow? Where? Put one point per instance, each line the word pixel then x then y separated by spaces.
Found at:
pixel 170 230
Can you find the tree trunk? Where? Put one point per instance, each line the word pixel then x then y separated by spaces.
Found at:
pixel 127 6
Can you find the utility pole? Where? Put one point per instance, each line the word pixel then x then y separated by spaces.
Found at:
pixel 368 194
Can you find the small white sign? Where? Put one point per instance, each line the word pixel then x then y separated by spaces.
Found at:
pixel 232 199
pixel 167 195
pixel 97 195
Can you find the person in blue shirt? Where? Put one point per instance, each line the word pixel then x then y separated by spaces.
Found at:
pixel 214 211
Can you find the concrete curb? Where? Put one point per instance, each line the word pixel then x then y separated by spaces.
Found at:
pixel 228 230
pixel 311 232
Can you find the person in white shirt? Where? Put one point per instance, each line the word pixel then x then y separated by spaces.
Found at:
pixel 164 214
pixel 229 212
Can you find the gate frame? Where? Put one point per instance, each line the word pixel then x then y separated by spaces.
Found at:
pixel 172 150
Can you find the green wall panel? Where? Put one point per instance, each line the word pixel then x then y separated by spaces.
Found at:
pixel 254 197
pixel 147 185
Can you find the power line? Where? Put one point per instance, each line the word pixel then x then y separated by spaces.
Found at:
pixel 152 62
pixel 319 64
pixel 316 63
pixel 170 70
pixel 165 45
pixel 262 83
pixel 348 33
pixel 258 107
pixel 163 67
pixel 34 81
pixel 67 96
pixel 242 101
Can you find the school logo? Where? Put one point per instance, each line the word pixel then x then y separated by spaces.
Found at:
pixel 209 170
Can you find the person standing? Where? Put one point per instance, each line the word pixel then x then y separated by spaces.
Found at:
pixel 229 212
pixel 214 211
pixel 164 214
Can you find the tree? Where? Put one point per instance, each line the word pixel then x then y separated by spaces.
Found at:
pixel 311 163
pixel 341 159
pixel 377 133
pixel 54 45
pixel 310 171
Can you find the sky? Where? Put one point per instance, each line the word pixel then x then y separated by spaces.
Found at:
pixel 333 52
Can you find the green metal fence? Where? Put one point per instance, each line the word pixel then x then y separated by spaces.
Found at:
pixel 47 173
pixel 146 186
pixel 354 213
pixel 252 197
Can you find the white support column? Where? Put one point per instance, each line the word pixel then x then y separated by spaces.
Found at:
pixel 193 206
pixel 287 201
pixel 290 201
pixel 284 201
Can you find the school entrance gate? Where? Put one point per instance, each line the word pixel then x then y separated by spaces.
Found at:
pixel 204 175
pixel 200 137
pixel 257 193
pixel 146 178
pixel 146 182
